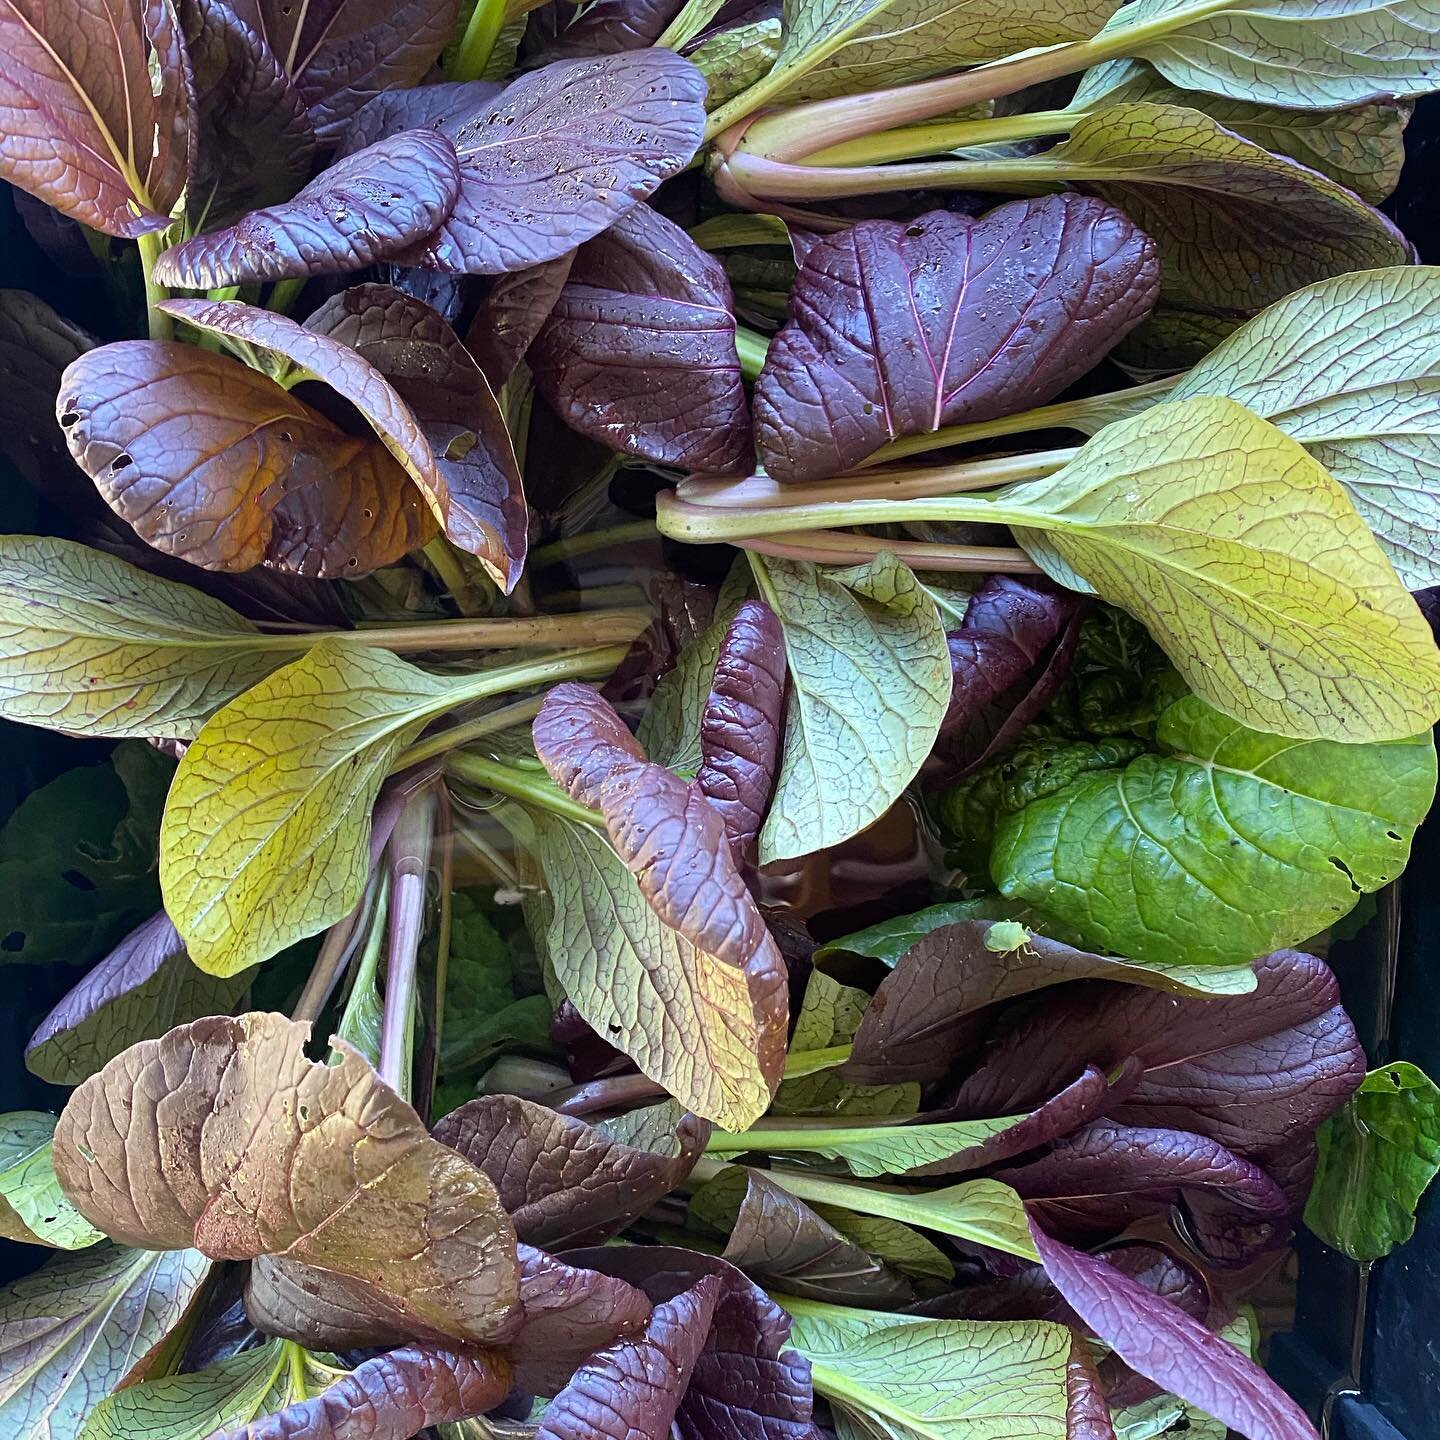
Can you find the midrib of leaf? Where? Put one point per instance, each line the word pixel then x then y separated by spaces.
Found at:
pixel 837 1385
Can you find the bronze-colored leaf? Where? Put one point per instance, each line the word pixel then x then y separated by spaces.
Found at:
pixel 223 1136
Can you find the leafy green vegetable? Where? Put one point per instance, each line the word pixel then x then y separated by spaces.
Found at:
pixel 1377 1158
pixel 83 1325
pixel 1226 844
pixel 870 681
pixel 33 1208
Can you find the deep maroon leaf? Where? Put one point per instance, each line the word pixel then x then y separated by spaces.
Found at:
pixel 1249 1071
pixel 1007 659
pixel 1230 1236
pixel 340 53
pixel 511 314
pixel 740 725
pixel 1107 1176
pixel 673 841
pixel 215 463
pixel 568 1313
pixel 139 990
pixel 76 95
pixel 632 1389
pixel 897 329
pixel 564 1181
pixel 367 207
pixel 1167 1346
pixel 639 349
pixel 477 480
pixel 744 1386
pixel 254 143
pixel 426 107
pixel 561 155
pixel 61 239
pixel 782 1242
pixel 610 26
pixel 924 1015
pixel 390 1397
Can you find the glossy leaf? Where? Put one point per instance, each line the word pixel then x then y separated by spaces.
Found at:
pixel 1316 58
pixel 1178 855
pixel 254 144
pixel 611 26
pixel 230 1393
pixel 341 52
pixel 740 725
pixel 869 683
pixel 712 943
pixel 81 1326
pixel 138 991
pixel 364 208
pixel 930 1010
pixel 265 479
pixel 897 329
pixel 511 313
pixel 559 156
pixel 84 126
pixel 1377 1158
pixel 1294 625
pixel 639 349
pixel 1347 368
pixel 836 47
pixel 1252 1072
pixel 1235 225
pixel 565 1182
pixel 274 1153
pixel 1167 1346
pixel 1007 659
pixel 471 480
pixel 954 1380
pixel 33 1209
pixel 265 830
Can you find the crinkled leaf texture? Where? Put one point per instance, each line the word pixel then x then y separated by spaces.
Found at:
pixel 511 312
pixel 869 684
pixel 1010 655
pixel 83 1325
pixel 86 124
pixel 554 158
pixel 470 479
pixel 254 143
pixel 1225 844
pixel 1166 1345
pixel 142 988
pixel 566 1182
pixel 1248 565
pixel 707 1015
pixel 1377 1157
pixel 215 463
pixel 33 1208
pixel 639 349
pixel 341 52
pixel 897 329
pixel 1348 368
pixel 740 725
pixel 222 1135
pixel 94 646
pixel 364 208
pixel 929 1012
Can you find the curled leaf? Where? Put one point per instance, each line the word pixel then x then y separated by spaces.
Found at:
pixel 33 1209
pixel 740 726
pixel 565 1182
pixel 472 482
pixel 511 313
pixel 897 329
pixel 267 1152
pixel 366 207
pixel 83 125
pixel 639 349
pixel 217 464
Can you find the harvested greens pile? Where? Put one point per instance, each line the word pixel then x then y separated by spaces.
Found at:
pixel 750 650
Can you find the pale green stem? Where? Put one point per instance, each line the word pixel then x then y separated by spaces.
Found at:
pixel 596 627
pixel 809 1062
pixel 590 541
pixel 477 729
pixel 691 20
pixel 161 326
pixel 752 347
pixel 446 563
pixel 836 547
pixel 295 1356
pixel 283 294
pixel 942 135
pixel 525 786
pixel 409 857
pixel 478 42
pixel 336 951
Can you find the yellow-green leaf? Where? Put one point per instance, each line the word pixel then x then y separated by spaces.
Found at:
pixel 33 1208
